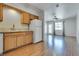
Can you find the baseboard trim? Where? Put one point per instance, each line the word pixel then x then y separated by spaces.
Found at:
pixel 39 42
pixel 71 36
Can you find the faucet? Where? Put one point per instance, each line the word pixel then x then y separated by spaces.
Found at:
pixel 13 27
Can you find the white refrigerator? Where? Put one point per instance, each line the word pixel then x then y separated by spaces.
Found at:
pixel 36 27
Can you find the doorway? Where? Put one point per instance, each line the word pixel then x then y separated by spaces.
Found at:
pixel 50 27
pixel 55 28
pixel 59 28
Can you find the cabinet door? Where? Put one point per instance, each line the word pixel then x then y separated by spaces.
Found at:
pixel 1 12
pixel 36 17
pixel 9 42
pixel 20 39
pixel 25 18
pixel 32 17
pixel 28 38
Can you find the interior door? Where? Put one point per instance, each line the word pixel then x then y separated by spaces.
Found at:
pixel 50 27
pixel 59 28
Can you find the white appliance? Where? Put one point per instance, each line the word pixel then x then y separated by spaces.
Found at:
pixel 36 27
pixel 1 43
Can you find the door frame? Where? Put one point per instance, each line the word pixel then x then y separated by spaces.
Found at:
pixel 53 23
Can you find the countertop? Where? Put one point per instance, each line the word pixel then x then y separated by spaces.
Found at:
pixel 3 31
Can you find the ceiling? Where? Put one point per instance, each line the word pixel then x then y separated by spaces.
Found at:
pixel 64 10
pixel 44 6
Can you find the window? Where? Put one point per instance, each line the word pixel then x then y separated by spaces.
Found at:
pixel 58 25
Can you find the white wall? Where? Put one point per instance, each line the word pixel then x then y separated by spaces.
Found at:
pixel 70 26
pixel 1 43
pixel 77 24
pixel 47 17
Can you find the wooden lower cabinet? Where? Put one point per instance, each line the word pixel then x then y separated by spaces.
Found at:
pixel 15 40
pixel 28 39
pixel 20 39
pixel 9 42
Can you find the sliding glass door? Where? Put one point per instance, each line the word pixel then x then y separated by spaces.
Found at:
pixel 55 28
pixel 59 28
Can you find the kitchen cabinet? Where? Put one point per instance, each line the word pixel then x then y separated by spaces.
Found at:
pixel 20 39
pixel 25 18
pixel 28 38
pixel 33 17
pixel 17 39
pixel 36 17
pixel 1 11
pixel 9 42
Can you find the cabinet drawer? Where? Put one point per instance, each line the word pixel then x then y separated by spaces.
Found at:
pixel 12 34
pixel 9 34
pixel 28 33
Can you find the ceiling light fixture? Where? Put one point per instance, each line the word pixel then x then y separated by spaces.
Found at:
pixel 54 14
pixel 57 5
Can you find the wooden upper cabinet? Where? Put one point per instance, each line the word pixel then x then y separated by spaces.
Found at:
pixel 25 18
pixel 1 11
pixel 33 17
pixel 36 17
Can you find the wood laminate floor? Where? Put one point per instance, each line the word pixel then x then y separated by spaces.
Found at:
pixel 28 50
pixel 52 46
